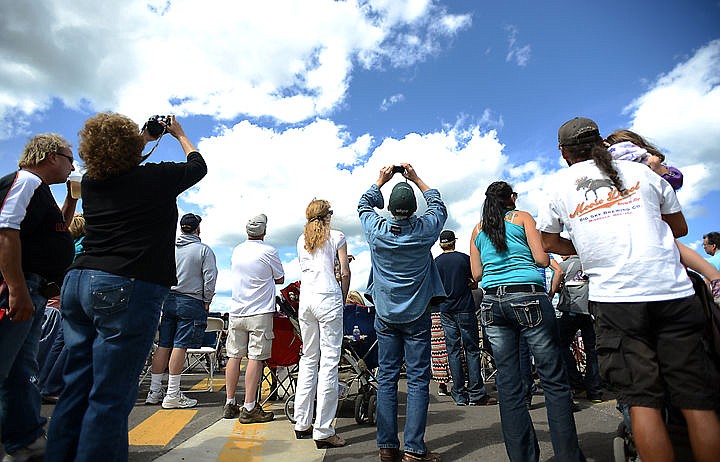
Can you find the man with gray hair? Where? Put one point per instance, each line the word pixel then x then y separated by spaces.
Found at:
pixel 255 270
pixel 35 251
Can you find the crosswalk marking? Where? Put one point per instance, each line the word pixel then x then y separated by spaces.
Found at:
pixel 218 384
pixel 160 428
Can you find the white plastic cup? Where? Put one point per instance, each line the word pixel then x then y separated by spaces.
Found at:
pixel 75 179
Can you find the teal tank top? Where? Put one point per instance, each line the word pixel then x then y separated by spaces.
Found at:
pixel 514 266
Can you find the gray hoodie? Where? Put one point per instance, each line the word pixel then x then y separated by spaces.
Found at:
pixel 196 268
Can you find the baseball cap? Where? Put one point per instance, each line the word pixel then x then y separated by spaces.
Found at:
pixel 256 225
pixel 578 131
pixel 189 222
pixel 402 201
pixel 447 236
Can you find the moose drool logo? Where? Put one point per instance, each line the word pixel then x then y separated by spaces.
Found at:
pixel 597 185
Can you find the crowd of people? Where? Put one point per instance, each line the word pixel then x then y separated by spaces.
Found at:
pixel 612 218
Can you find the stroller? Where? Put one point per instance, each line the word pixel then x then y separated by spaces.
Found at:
pixel 357 361
pixel 282 366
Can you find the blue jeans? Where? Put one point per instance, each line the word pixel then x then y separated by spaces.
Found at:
pixel 569 324
pixel 409 342
pixel 50 378
pixel 506 318
pixel 183 322
pixel 19 394
pixel 461 333
pixel 109 324
pixel 526 372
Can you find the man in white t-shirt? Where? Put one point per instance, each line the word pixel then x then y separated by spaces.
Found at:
pixel 256 268
pixel 623 219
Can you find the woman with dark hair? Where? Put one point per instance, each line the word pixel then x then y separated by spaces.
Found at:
pixel 505 251
pixel 321 324
pixel 113 292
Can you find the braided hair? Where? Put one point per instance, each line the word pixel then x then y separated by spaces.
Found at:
pixel 597 152
pixel 498 200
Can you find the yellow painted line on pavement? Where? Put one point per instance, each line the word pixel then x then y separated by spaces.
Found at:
pixel 218 384
pixel 244 444
pixel 160 428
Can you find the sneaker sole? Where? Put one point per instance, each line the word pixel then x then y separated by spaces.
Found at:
pixel 178 406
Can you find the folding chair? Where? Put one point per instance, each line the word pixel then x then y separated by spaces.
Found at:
pixel 206 356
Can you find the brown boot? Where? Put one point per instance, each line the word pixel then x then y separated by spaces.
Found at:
pixel 390 454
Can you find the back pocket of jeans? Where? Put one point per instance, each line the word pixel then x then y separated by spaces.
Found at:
pixel 486 314
pixel 112 298
pixel 528 313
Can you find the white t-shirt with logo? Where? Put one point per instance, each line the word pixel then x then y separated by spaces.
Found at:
pixel 255 266
pixel 626 249
pixel 318 268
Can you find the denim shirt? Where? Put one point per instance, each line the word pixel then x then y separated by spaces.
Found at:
pixel 403 276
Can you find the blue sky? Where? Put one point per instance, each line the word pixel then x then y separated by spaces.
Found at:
pixel 290 100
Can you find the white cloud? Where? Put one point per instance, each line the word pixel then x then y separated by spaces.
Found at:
pixel 290 60
pixel 253 169
pixel 518 54
pixel 391 101
pixel 680 113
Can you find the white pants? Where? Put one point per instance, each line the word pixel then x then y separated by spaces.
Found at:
pixel 321 326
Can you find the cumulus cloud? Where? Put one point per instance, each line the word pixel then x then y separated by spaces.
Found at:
pixel 680 113
pixel 519 54
pixel 289 60
pixel 254 169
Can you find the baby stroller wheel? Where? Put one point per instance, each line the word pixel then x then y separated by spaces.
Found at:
pixel 372 409
pixel 362 403
pixel 290 408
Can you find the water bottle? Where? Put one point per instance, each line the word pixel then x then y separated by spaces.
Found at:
pixel 356 333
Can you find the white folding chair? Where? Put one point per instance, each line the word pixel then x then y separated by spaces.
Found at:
pixel 206 356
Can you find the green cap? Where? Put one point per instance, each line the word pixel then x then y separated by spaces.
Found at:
pixel 402 202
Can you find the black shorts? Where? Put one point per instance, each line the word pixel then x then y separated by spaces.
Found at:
pixel 650 352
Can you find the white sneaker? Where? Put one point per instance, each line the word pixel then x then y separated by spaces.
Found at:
pixel 155 397
pixel 34 449
pixel 178 401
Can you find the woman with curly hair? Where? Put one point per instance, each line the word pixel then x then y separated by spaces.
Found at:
pixel 505 252
pixel 113 292
pixel 321 324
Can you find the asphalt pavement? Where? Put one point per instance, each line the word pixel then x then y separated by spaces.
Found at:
pixel 458 433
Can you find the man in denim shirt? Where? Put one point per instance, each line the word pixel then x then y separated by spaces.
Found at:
pixel 404 282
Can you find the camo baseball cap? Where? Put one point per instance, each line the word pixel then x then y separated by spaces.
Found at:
pixel 578 131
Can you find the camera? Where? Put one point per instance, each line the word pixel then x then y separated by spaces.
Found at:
pixel 398 169
pixel 154 126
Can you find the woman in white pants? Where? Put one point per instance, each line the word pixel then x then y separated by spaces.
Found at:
pixel 321 324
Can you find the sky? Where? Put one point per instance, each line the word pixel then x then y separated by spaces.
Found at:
pixel 296 99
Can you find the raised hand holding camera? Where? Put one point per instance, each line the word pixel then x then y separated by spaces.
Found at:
pixel 157 125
